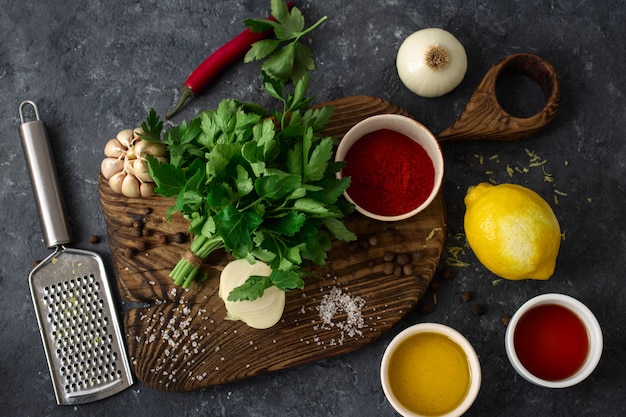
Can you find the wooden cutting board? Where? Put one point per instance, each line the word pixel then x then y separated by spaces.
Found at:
pixel 178 339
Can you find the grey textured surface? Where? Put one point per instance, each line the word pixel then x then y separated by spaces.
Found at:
pixel 97 67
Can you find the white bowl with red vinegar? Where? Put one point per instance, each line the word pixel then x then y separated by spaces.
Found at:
pixel 554 341
pixel 405 140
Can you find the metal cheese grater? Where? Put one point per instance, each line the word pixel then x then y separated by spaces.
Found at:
pixel 71 293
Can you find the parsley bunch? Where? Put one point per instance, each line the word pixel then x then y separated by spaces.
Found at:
pixel 260 187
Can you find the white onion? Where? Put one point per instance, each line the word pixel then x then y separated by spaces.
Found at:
pixel 262 313
pixel 431 62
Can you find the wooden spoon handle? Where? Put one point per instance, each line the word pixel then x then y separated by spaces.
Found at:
pixel 484 118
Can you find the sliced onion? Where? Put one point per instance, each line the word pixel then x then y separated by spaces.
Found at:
pixel 262 313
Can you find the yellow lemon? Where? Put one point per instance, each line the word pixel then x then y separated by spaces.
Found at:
pixel 512 231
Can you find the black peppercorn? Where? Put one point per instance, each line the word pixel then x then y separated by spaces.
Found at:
pixel 388 268
pixel 478 309
pixel 447 273
pixel 180 237
pixel 402 259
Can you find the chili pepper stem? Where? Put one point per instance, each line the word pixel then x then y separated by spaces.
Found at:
pixel 187 94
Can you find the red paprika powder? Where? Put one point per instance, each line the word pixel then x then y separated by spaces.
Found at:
pixel 391 173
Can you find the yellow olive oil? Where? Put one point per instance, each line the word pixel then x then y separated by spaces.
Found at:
pixel 429 374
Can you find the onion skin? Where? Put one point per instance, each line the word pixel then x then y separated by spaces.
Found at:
pixel 426 79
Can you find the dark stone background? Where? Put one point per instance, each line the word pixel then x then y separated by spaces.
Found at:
pixel 97 67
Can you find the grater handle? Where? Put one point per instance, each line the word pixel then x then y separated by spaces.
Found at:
pixel 44 179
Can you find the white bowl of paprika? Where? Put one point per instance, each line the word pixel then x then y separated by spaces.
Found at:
pixel 395 165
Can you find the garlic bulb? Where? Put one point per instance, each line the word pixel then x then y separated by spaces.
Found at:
pixel 262 313
pixel 431 62
pixel 125 165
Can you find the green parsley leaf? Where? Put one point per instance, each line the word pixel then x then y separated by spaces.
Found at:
pixel 169 180
pixel 338 229
pixel 236 228
pixel 286 280
pixel 308 205
pixel 317 163
pixel 243 182
pixel 151 127
pixel 275 187
pixel 250 290
pixel 288 224
pixel 261 49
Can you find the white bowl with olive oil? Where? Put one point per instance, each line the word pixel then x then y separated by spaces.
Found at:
pixel 430 369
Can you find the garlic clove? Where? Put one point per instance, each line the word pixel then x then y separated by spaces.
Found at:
pixel 115 182
pixel 114 149
pixel 130 186
pixel 146 189
pixel 142 172
pixel 110 166
pixel 128 166
pixel 144 147
pixel 262 313
pixel 137 132
pixel 125 137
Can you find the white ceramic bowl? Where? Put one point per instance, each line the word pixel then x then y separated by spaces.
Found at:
pixel 593 331
pixel 408 127
pixel 455 336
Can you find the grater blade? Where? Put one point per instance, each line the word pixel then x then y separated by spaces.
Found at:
pixel 80 332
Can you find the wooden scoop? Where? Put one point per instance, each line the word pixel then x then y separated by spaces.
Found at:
pixel 484 118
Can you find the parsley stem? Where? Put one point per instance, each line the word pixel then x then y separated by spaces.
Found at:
pixel 310 28
pixel 185 272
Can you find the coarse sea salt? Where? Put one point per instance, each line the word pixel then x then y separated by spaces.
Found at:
pixel 182 344
pixel 338 303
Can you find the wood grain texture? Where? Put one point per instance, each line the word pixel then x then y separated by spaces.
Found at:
pixel 484 117
pixel 178 339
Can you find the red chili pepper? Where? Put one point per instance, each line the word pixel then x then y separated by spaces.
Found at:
pixel 234 50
